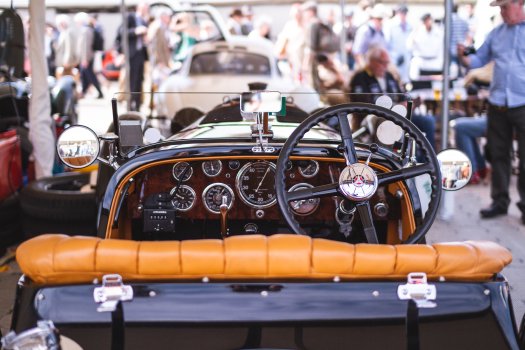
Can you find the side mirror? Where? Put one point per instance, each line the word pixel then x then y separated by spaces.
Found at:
pixel 456 169
pixel 261 102
pixel 78 147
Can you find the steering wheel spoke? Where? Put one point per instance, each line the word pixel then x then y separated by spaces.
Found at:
pixel 346 137
pixel 314 192
pixel 365 214
pixel 403 174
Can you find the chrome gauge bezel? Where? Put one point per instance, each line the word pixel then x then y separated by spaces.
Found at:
pixel 302 169
pixel 205 191
pixel 241 193
pixel 190 171
pixel 218 171
pixel 192 192
pixel 318 200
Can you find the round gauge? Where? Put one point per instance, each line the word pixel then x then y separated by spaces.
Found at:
pixel 304 206
pixel 182 171
pixel 309 168
pixel 213 197
pixel 289 165
pixel 212 167
pixel 256 184
pixel 184 199
pixel 234 164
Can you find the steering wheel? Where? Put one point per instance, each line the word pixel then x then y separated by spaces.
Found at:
pixel 358 182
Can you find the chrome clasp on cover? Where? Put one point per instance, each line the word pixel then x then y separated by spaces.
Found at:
pixel 418 290
pixel 111 292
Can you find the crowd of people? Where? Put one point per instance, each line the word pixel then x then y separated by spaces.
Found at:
pixel 384 52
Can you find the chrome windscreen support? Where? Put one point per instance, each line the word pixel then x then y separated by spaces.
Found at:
pixel 261 133
pixel 112 140
pixel 111 293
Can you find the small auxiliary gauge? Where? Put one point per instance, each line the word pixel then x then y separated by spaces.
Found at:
pixel 212 167
pixel 182 169
pixel 309 168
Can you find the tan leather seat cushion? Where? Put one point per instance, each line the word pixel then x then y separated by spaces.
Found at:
pixel 61 259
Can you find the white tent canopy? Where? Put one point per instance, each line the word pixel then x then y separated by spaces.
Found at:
pixel 40 121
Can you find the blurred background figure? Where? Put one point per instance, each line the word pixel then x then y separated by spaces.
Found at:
pixel 159 50
pixel 467 132
pixel 332 82
pixel 234 23
pixel 290 42
pixel 262 28
pixel 459 34
pixel 426 43
pixel 348 30
pixel 49 45
pixel 247 24
pixel 362 12
pixel 66 57
pixel 137 29
pixel 397 34
pixel 183 37
pixel 376 79
pixel 86 54
pixel 370 34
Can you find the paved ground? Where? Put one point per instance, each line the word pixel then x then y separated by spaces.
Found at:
pixel 463 225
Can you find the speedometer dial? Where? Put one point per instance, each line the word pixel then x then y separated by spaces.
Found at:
pixel 213 195
pixel 256 184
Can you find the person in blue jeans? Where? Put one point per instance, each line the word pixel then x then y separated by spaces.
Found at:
pixel 467 131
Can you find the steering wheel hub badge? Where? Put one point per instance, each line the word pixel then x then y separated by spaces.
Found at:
pixel 358 182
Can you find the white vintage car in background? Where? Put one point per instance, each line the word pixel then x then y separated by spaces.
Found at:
pixel 221 67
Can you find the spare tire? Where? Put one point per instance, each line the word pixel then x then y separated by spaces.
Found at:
pixel 60 198
pixel 9 209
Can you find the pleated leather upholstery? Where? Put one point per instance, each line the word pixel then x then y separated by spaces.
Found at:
pixel 60 259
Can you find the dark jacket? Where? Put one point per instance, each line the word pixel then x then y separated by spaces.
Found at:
pixel 132 38
pixel 365 83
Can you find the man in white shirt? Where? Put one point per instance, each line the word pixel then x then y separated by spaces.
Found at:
pixel 426 43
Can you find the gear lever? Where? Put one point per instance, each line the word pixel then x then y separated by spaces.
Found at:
pixel 224 212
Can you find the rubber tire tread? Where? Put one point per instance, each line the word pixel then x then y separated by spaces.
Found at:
pixel 10 234
pixel 10 209
pixel 64 206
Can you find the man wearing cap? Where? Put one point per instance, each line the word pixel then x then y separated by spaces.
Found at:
pixel 505 44
pixel 370 35
pixel 397 36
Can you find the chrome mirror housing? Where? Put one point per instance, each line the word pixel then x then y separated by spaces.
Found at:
pixel 456 169
pixel 78 147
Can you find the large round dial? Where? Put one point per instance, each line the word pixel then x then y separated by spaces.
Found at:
pixel 256 184
pixel 212 167
pixel 182 171
pixel 184 199
pixel 213 195
pixel 304 206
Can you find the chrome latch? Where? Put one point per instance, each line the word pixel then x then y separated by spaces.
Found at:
pixel 418 290
pixel 111 292
pixel 43 336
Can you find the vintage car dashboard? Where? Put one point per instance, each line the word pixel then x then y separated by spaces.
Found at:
pixel 190 191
